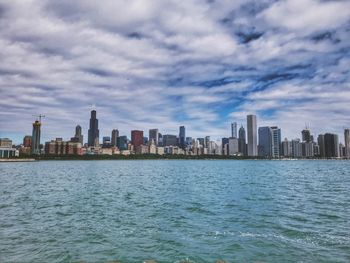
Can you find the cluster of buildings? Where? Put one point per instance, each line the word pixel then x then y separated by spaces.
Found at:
pixel 264 142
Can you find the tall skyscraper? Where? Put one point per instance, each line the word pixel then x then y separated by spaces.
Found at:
pixel 115 135
pixel 252 135
pixel 265 148
pixel 153 134
pixel 234 129
pixel 78 135
pixel 242 145
pixel 136 138
pixel 331 145
pixel 206 141
pixel 182 136
pixel 347 142
pixel 306 135
pixel 94 133
pixel 36 137
pixel 276 141
pixel 321 145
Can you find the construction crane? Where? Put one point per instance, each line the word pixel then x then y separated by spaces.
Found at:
pixel 39 117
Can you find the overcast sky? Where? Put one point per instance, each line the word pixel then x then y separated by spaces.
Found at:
pixel 160 64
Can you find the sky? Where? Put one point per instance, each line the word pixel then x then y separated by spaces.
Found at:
pixel 165 63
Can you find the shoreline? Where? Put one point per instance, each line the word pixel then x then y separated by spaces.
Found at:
pixel 151 157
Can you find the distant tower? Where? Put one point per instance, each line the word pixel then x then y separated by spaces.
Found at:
pixel 78 135
pixel 252 135
pixel 153 134
pixel 306 135
pixel 234 130
pixel 93 137
pixel 36 137
pixel 347 142
pixel 242 145
pixel 265 147
pixel 136 138
pixel 182 136
pixel 276 141
pixel 115 135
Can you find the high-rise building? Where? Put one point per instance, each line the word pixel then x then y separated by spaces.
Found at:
pixel 169 140
pixel 122 143
pixel 78 135
pixel 27 141
pixel 94 133
pixel 182 136
pixel 276 141
pixel 206 141
pixel 331 145
pixel 242 145
pixel 136 138
pixel 321 145
pixel 252 135
pixel 153 134
pixel 296 148
pixel 347 143
pixel 265 148
pixel 224 145
pixel 234 129
pixel 114 138
pixel 233 146
pixel 200 141
pixel 36 137
pixel 286 148
pixel 306 135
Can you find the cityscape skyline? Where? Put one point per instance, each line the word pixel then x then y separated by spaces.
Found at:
pixel 201 64
pixel 257 141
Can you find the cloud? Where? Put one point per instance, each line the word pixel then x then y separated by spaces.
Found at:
pixel 162 64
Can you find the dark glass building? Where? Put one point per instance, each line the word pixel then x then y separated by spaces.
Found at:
pixel 331 144
pixel 169 140
pixel 94 133
pixel 36 137
pixel 182 137
pixel 242 144
pixel 265 148
pixel 115 135
pixel 122 143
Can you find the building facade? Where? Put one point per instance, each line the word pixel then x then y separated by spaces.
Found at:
pixel 94 133
pixel 136 138
pixel 36 137
pixel 265 147
pixel 252 135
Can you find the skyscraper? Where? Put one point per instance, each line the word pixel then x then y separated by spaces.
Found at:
pixel 94 133
pixel 78 135
pixel 276 141
pixel 306 135
pixel 252 135
pixel 265 148
pixel 331 145
pixel 206 141
pixel 136 138
pixel 182 136
pixel 242 145
pixel 122 143
pixel 347 142
pixel 234 129
pixel 36 137
pixel 114 140
pixel 321 145
pixel 153 134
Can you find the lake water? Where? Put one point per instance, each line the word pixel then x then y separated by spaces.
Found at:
pixel 173 210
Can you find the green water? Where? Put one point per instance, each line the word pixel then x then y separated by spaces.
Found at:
pixel 239 211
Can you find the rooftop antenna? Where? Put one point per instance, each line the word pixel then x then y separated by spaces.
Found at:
pixel 40 116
